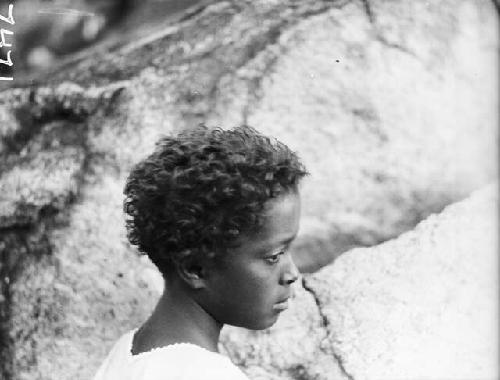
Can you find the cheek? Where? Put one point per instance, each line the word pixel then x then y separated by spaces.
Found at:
pixel 261 285
pixel 257 281
pixel 246 297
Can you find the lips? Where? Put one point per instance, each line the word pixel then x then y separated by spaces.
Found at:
pixel 282 305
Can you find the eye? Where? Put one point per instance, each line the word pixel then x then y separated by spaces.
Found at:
pixel 274 258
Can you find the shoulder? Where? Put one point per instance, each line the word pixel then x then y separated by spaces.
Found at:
pixel 181 361
pixel 190 362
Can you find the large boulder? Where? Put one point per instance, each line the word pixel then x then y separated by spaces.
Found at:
pixel 384 148
pixel 422 306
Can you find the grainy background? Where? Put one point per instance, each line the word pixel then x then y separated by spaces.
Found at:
pixel 393 106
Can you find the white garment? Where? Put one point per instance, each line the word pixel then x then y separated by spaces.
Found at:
pixel 180 361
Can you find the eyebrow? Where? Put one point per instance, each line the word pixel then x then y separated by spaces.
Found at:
pixel 288 240
pixel 283 242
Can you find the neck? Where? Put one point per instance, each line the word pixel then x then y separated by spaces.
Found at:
pixel 178 318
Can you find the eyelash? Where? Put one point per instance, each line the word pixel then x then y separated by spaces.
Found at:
pixel 274 259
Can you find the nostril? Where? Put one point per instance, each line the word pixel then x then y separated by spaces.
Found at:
pixel 291 273
pixel 290 278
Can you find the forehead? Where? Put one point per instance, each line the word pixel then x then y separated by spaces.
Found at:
pixel 281 217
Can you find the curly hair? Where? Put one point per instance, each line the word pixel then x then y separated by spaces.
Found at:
pixel 201 189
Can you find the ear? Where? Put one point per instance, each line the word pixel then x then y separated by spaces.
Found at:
pixel 193 272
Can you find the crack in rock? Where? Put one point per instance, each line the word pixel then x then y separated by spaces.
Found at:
pixel 394 45
pixel 326 325
pixel 369 12
pixel 379 36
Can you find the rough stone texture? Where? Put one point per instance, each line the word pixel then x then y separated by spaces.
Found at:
pixel 423 306
pixel 65 312
pixel 384 148
pixel 29 187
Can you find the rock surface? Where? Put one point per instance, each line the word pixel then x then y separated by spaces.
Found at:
pixel 422 306
pixel 384 148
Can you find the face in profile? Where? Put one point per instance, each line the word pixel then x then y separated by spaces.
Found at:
pixel 249 286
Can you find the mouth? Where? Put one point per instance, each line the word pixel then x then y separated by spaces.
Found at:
pixel 282 305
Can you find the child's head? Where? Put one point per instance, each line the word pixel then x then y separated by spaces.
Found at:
pixel 216 212
pixel 202 190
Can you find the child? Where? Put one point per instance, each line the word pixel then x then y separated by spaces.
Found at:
pixel 215 211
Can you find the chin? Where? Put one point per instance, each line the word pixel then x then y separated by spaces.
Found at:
pixel 262 324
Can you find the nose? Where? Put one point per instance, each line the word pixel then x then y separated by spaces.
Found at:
pixel 290 272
